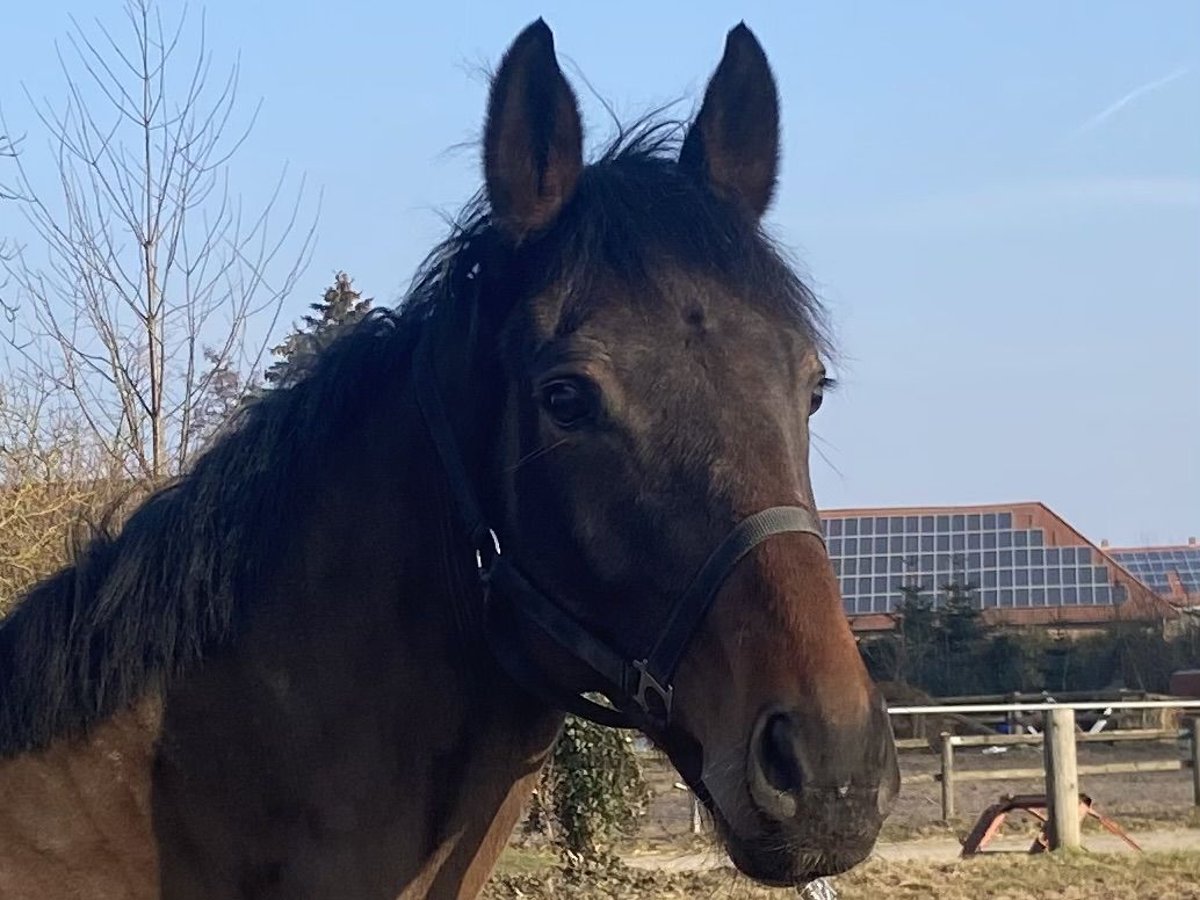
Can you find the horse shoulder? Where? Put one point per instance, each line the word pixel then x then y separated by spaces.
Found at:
pixel 75 816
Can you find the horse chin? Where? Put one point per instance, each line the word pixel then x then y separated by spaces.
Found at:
pixel 774 860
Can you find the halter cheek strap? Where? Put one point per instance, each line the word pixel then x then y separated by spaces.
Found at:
pixel 641 690
pixel 658 669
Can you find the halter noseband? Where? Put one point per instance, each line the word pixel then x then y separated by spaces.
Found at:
pixel 643 687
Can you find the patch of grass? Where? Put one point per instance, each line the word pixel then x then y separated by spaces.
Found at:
pixel 1078 876
pixel 677 843
pixel 525 860
pixel 895 832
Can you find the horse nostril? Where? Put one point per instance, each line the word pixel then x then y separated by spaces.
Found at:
pixel 778 755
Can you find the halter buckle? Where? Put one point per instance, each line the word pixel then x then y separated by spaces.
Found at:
pixel 647 685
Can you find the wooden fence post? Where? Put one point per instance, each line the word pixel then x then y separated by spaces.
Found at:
pixel 947 777
pixel 1062 779
pixel 1195 733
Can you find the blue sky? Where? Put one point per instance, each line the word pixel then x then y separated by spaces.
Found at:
pixel 1000 204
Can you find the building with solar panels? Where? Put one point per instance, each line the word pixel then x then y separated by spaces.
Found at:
pixel 1172 572
pixel 1023 563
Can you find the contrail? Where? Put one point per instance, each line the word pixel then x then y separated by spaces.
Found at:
pixel 1111 110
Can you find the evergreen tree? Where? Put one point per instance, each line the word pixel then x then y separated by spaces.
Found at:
pixel 917 627
pixel 342 305
pixel 962 630
pixel 226 391
pixel 962 619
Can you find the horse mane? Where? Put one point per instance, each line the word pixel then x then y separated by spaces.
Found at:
pixel 138 606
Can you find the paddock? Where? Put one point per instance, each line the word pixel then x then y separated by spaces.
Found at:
pixel 1142 773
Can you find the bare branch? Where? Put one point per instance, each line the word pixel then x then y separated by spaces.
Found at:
pixel 149 270
pixel 8 149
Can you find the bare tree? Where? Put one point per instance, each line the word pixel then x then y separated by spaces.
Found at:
pixel 150 258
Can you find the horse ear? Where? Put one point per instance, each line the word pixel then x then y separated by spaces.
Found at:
pixel 733 144
pixel 533 141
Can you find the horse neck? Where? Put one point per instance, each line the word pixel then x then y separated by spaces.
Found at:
pixel 495 734
pixel 353 702
pixel 471 743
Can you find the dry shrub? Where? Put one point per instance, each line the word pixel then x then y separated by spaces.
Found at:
pixel 52 480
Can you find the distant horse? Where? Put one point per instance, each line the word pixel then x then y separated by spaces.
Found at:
pixel 569 474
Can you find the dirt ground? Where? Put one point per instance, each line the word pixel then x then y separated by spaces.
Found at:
pixel 1132 799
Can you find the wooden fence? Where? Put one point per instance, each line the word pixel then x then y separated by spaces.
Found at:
pixel 990 713
pixel 1060 769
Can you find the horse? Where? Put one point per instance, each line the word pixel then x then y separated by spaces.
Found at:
pixel 567 473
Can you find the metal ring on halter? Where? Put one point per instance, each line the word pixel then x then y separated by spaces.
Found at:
pixel 487 551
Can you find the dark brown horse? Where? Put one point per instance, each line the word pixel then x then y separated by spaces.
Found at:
pixel 330 660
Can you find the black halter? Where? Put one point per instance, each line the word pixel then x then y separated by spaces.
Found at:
pixel 641 688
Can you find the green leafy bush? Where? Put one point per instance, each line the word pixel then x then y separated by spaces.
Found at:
pixel 591 793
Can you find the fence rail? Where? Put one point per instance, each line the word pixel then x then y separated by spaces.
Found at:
pixel 1085 737
pixel 1043 706
pixel 1125 768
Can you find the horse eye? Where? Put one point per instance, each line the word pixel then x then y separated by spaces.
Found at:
pixel 568 403
pixel 818 396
